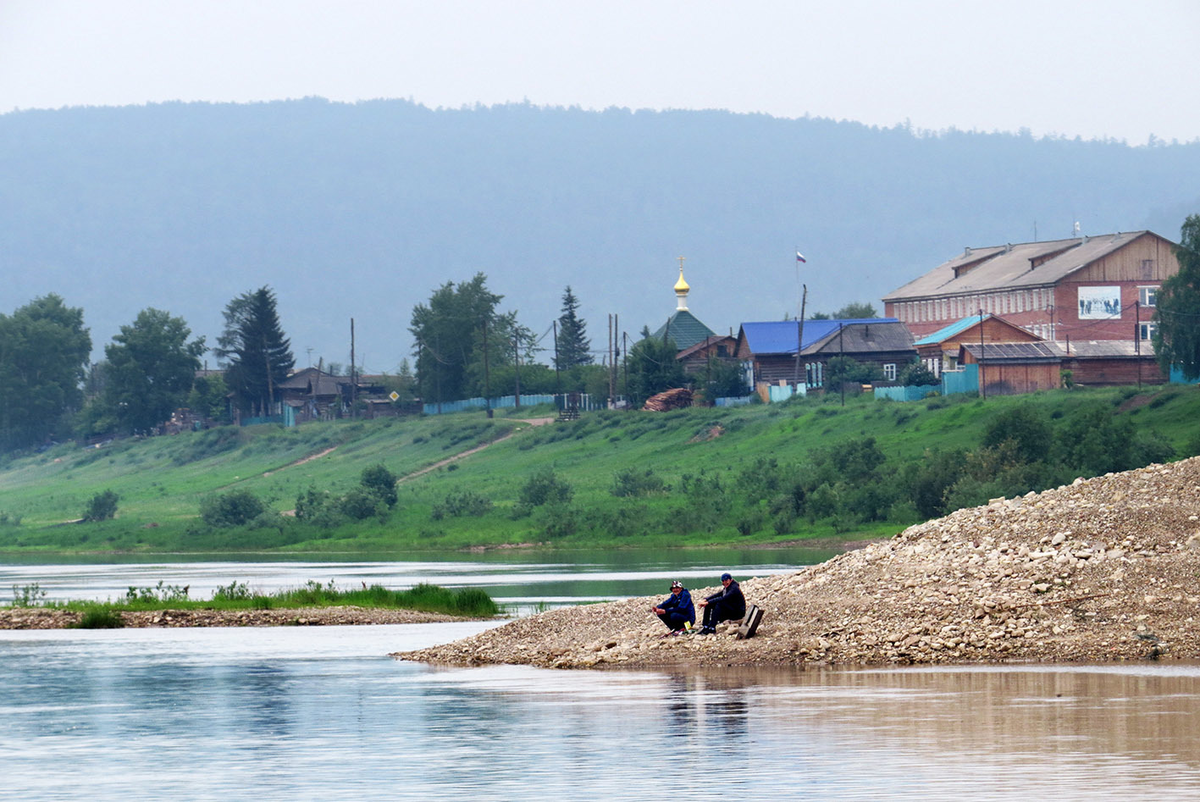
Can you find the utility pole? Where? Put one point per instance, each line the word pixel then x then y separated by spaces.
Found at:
pixel 517 356
pixel 557 379
pixel 800 338
pixel 609 347
pixel 982 386
pixel 1137 337
pixel 625 363
pixel 842 356
pixel 353 380
pixel 616 336
pixel 487 379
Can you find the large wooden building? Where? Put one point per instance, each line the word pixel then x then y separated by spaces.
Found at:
pixel 1084 288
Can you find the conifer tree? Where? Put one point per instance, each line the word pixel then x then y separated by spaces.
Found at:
pixel 574 347
pixel 1177 308
pixel 258 356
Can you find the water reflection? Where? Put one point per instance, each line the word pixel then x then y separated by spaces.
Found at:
pixel 309 713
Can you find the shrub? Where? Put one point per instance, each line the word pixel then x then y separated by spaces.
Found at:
pixel 235 508
pixel 632 482
pixel 360 503
pixel 101 507
pixel 1026 428
pixel 29 595
pixel 545 487
pixel 99 618
pixel 381 482
pixel 461 503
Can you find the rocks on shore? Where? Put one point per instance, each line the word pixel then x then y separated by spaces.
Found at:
pixel 42 618
pixel 1099 570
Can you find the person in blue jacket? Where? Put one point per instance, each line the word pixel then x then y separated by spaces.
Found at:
pixel 677 611
pixel 727 605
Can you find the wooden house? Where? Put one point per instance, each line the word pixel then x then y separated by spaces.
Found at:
pixel 1026 367
pixel 771 347
pixel 1084 288
pixel 718 346
pixel 939 351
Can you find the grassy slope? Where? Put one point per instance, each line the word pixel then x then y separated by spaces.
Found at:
pixel 160 496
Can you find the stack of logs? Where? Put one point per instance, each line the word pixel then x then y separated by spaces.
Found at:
pixel 679 398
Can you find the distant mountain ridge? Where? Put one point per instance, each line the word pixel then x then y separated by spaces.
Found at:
pixel 361 210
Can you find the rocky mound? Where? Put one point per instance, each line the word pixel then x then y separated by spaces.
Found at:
pixel 1103 569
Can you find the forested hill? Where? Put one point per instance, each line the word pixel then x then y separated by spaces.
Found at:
pixel 360 210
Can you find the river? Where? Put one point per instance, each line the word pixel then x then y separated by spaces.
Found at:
pixel 323 713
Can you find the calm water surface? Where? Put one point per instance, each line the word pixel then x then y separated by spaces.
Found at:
pixel 323 713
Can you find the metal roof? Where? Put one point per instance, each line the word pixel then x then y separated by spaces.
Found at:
pixel 1013 352
pixel 1005 267
pixel 684 329
pixel 779 337
pixel 946 332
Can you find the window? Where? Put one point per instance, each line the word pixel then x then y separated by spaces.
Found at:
pixel 814 374
pixel 1148 296
pixel 1146 331
pixel 889 371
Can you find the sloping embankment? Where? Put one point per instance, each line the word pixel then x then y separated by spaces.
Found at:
pixel 1103 569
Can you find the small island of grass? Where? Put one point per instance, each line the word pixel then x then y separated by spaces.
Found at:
pixel 237 605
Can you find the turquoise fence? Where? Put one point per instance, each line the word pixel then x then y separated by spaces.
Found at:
pixel 288 418
pixel 959 381
pixel 1177 376
pixel 586 403
pixel 910 393
pixel 777 393
pixel 734 401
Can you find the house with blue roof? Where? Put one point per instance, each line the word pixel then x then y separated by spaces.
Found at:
pixel 771 348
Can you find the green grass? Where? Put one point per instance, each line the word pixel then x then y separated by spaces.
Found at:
pixel 468 602
pixel 161 481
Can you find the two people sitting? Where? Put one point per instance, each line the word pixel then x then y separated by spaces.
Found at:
pixel 678 613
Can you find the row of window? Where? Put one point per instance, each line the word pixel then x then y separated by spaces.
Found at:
pixel 814 373
pixel 998 303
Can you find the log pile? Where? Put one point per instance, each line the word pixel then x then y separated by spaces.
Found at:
pixel 679 398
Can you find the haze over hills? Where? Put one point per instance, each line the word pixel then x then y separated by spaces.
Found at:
pixel 361 210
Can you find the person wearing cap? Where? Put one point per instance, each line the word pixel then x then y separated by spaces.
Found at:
pixel 726 605
pixel 677 610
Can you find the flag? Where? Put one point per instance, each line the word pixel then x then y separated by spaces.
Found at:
pixel 800 257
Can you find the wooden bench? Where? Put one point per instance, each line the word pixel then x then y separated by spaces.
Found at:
pixel 750 622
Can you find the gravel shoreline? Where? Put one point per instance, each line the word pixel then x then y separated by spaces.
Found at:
pixel 1105 569
pixel 40 618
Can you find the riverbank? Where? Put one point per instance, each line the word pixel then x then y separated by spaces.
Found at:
pixel 1100 570
pixel 47 618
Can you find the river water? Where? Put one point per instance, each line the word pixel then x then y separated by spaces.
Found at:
pixel 323 713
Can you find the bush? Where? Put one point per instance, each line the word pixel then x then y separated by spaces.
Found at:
pixel 360 504
pixel 235 508
pixel 461 503
pixel 1023 426
pixel 381 482
pixel 545 487
pixel 632 482
pixel 99 618
pixel 101 507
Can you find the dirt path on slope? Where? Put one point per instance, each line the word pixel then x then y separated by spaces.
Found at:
pixel 533 423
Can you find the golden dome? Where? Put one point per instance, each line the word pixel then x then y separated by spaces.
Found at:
pixel 681 285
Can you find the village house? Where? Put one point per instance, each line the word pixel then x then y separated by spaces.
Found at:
pixel 770 347
pixel 939 351
pixel 1025 367
pixel 1083 288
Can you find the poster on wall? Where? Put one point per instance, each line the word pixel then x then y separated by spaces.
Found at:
pixel 1099 303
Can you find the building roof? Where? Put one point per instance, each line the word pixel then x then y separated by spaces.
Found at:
pixel 684 328
pixel 705 343
pixel 946 332
pixel 1057 351
pixel 1022 266
pixel 304 380
pixel 864 337
pixel 779 337
pixel 1013 352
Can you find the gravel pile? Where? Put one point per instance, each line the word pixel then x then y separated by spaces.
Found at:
pixel 1100 570
pixel 39 618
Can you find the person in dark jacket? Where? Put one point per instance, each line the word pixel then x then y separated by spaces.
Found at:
pixel 677 611
pixel 727 605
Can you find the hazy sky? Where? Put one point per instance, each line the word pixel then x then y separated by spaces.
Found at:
pixel 1101 68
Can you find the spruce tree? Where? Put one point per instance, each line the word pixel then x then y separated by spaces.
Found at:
pixel 258 356
pixel 574 347
pixel 1177 308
